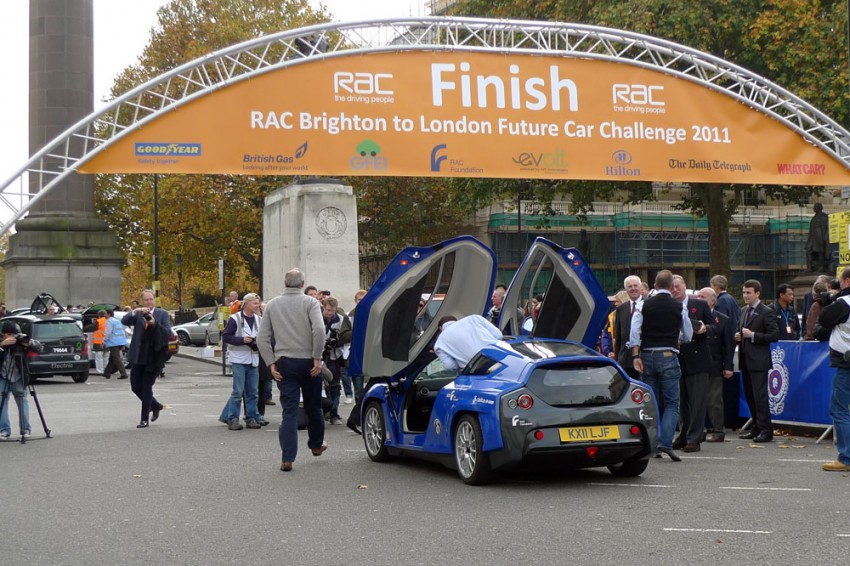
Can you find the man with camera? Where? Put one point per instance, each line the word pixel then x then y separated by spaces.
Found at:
pixel 337 336
pixel 834 319
pixel 13 376
pixel 148 352
pixel 240 334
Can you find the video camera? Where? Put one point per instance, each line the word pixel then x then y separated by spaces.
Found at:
pixel 332 343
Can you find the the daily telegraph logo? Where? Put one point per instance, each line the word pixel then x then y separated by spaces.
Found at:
pixel 638 98
pixel 368 157
pixel 554 160
pixel 366 88
pixel 621 160
pixel 168 149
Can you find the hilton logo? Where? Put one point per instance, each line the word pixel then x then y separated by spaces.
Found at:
pixel 621 158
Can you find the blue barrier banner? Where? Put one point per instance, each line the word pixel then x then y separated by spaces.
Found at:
pixel 799 385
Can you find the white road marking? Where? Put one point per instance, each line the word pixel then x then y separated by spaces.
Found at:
pixel 629 485
pixel 707 458
pixel 363 450
pixel 805 461
pixel 733 531
pixel 842 535
pixel 204 395
pixel 767 488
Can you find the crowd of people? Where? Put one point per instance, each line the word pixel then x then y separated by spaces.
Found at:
pixel 680 344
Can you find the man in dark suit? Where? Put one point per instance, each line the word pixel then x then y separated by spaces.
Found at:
pixel 756 331
pixel 623 324
pixel 721 344
pixel 695 360
pixel 786 317
pixel 727 305
pixel 144 369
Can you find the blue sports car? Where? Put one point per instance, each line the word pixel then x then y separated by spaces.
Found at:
pixel 541 396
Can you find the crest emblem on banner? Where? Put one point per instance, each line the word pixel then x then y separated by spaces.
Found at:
pixel 777 382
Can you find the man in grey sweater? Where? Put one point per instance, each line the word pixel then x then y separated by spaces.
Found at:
pixel 291 340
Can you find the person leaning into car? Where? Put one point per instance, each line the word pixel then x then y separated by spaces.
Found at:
pixel 115 341
pixel 148 351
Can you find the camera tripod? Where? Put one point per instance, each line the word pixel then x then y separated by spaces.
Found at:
pixel 28 386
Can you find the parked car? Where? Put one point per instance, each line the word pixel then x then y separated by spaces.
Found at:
pixel 545 398
pixel 203 331
pixel 64 346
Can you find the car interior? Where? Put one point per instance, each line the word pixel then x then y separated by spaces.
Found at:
pixel 428 380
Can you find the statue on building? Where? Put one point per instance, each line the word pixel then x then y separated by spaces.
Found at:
pixel 817 246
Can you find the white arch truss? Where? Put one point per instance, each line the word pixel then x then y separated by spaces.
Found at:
pixel 94 133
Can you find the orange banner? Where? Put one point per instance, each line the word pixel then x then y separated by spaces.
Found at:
pixel 473 115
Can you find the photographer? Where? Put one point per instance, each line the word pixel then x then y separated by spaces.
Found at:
pixel 337 335
pixel 148 351
pixel 13 375
pixel 240 334
pixel 835 319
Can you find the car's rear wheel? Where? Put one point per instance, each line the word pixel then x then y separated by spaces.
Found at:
pixel 629 468
pixel 80 377
pixel 473 465
pixel 375 432
pixel 183 338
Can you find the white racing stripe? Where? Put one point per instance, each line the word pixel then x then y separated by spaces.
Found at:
pixel 629 485
pixel 767 488
pixel 732 531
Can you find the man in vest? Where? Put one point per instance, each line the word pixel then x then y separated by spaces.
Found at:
pixel 836 316
pixel 659 324
pixel 241 337
pixel 98 338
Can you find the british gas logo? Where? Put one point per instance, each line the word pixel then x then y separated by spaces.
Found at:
pixel 159 149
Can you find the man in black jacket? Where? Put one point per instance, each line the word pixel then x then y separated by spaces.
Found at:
pixel 721 343
pixel 835 318
pixel 757 330
pixel 786 317
pixel 695 359
pixel 623 323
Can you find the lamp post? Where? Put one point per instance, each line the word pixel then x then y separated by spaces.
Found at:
pixel 180 281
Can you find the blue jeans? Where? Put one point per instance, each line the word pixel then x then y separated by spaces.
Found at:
pixel 839 410
pixel 19 392
pixel 246 379
pixel 662 373
pixel 297 381
pixel 346 381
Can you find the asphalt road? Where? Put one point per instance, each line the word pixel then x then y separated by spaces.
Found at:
pixel 189 491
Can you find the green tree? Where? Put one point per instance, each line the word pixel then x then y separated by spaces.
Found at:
pixel 202 217
pixel 799 44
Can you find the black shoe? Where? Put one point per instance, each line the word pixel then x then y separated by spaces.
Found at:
pixel 122 377
pixel 679 443
pixel 262 421
pixel 691 447
pixel 155 414
pixel 658 454
pixel 764 437
pixel 749 435
pixel 669 451
pixel 353 427
pixel 142 424
pixel 715 437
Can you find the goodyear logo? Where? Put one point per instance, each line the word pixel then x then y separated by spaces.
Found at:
pixel 181 149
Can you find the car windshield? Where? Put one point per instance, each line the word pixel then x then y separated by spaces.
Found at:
pixel 566 385
pixel 55 329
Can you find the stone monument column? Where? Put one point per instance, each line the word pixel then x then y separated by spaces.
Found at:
pixel 312 226
pixel 61 247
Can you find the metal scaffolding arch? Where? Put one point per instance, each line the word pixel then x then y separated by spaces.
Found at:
pixel 94 133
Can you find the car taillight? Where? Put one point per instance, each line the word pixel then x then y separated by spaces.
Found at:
pixel 85 348
pixel 538 435
pixel 592 451
pixel 635 430
pixel 32 354
pixel 525 401
pixel 638 396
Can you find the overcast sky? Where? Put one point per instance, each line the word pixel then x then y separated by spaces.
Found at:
pixel 121 30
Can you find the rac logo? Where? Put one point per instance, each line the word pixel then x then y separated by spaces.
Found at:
pixel 362 83
pixel 637 95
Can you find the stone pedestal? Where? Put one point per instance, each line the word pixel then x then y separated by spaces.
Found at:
pixel 313 227
pixel 74 259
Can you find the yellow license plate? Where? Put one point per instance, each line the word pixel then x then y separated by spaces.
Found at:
pixel 589 433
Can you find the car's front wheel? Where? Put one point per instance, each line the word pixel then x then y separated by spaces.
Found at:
pixel 80 377
pixel 629 468
pixel 473 465
pixel 375 432
pixel 183 338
